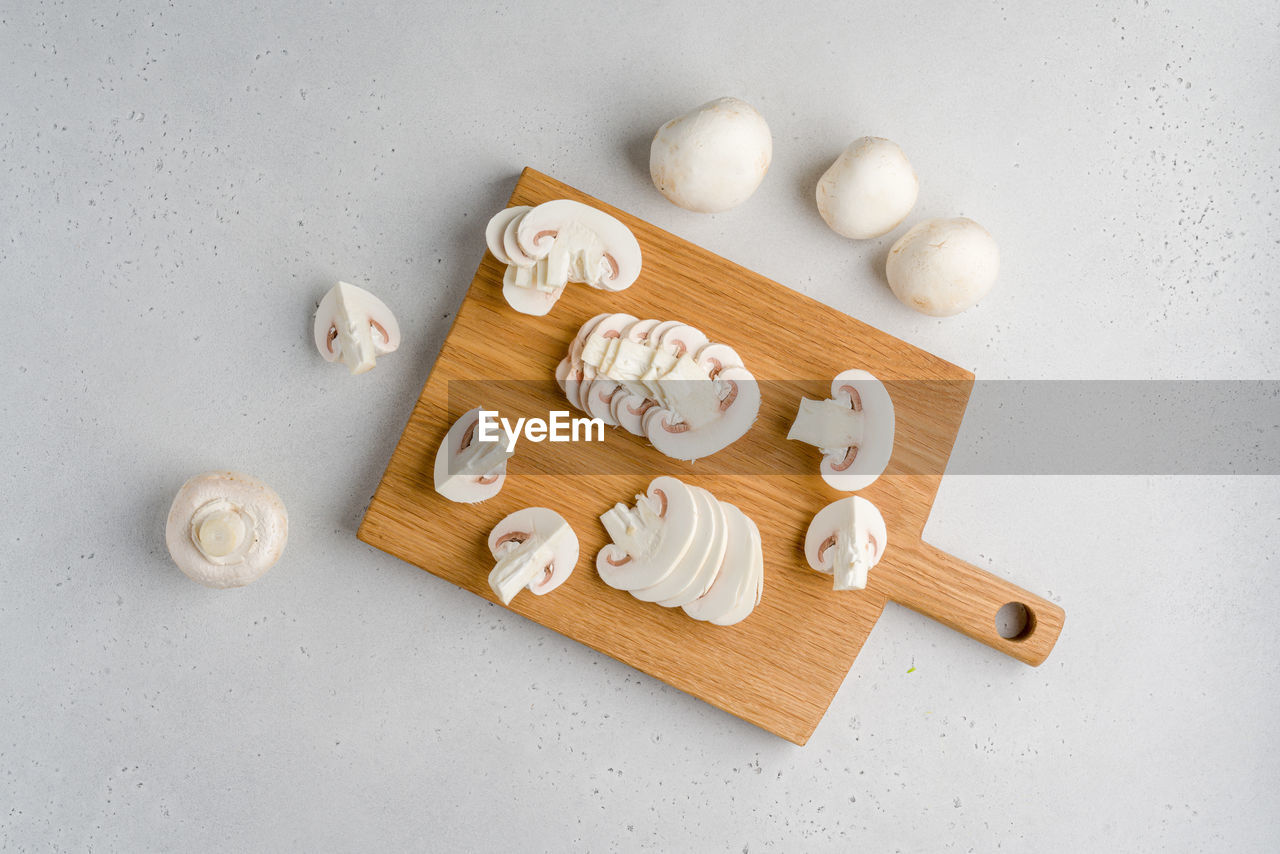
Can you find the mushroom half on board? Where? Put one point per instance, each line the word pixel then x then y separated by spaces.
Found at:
pixel 846 539
pixel 226 529
pixel 854 430
pixel 534 549
pixel 468 470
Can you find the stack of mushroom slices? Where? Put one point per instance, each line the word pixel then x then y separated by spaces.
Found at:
pixel 681 547
pixel 663 380
pixel 558 242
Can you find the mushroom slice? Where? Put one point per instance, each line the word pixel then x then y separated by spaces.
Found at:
pixel 604 250
pixel 854 430
pixel 739 404
pixel 468 470
pixel 497 227
pixel 733 593
pixel 535 549
pixel 682 339
pixel 712 519
pixel 649 540
pixel 354 326
pixel 511 246
pixel 526 299
pixel 226 529
pixel 846 539
pixel 596 349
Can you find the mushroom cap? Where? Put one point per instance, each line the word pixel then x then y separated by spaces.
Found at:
pixel 827 521
pixel 473 489
pixel 259 502
pixel 536 232
pixel 941 267
pixel 712 158
pixel 872 457
pixel 539 522
pixel 676 507
pixel 869 189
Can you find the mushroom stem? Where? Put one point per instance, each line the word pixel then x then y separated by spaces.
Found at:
pixel 222 531
pixel 355 336
pixel 849 563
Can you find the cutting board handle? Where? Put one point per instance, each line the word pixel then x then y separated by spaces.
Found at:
pixel 960 595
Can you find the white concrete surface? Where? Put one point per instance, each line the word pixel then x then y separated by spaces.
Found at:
pixel 179 184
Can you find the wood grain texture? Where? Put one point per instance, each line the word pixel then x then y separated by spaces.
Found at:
pixel 780 668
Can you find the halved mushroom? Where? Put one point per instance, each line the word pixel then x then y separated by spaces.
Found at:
pixel 604 251
pixel 535 550
pixel 468 470
pixel 736 589
pixel 649 540
pixel 854 430
pixel 226 529
pixel 846 539
pixel 353 325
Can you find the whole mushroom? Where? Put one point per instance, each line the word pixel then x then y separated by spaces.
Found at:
pixel 226 529
pixel 869 190
pixel 712 158
pixel 941 267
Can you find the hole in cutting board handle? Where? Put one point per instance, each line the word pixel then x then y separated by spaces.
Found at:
pixel 1015 621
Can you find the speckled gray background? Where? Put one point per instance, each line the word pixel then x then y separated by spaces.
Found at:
pixel 179 183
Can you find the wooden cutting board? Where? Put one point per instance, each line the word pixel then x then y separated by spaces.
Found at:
pixel 781 667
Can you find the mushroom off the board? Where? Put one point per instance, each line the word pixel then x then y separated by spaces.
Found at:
pixel 780 667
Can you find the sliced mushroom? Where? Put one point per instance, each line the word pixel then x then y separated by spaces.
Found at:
pixel 604 249
pixel 226 529
pixel 496 230
pixel 739 396
pixel 711 518
pixel 468 470
pixel 527 299
pixel 649 540
pixel 736 589
pixel 715 357
pixel 354 326
pixel 846 539
pixel 535 549
pixel 854 430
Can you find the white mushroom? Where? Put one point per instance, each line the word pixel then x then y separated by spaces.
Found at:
pixel 869 190
pixel 650 540
pixel 846 539
pixel 712 158
pixel 226 529
pixel 535 549
pixel 941 267
pixel 353 325
pixel 468 470
pixel 854 430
